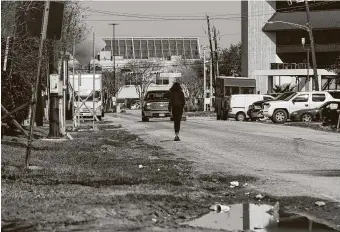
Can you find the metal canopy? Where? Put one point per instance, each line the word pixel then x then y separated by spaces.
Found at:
pixel 320 20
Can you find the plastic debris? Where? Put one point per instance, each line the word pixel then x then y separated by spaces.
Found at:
pixel 234 183
pixel 137 139
pixel 320 203
pixel 221 208
pixel 158 169
pixel 154 220
pixel 34 167
pixel 274 209
pixel 247 194
pixel 245 184
pixel 259 196
pixel 140 166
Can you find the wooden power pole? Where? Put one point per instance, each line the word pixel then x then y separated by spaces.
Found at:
pixel 37 82
pixel 310 31
pixel 211 50
pixel 216 52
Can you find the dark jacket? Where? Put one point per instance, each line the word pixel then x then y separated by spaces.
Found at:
pixel 176 99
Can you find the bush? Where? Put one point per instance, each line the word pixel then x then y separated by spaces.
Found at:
pixel 20 76
pixel 15 91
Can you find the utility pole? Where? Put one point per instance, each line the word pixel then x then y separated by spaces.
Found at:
pixel 73 86
pixel 216 52
pixel 113 50
pixel 65 85
pixel 303 41
pixel 211 47
pixel 310 31
pixel 94 81
pixel 211 79
pixel 113 57
pixel 34 98
pixel 204 82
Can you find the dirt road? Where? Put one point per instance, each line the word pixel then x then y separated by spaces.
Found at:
pixel 289 161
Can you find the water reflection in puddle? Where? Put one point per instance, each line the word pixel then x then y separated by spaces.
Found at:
pixel 256 218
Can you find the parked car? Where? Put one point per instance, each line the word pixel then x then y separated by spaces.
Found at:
pixel 330 114
pixel 256 109
pixel 135 105
pixel 316 114
pixel 239 104
pixel 279 111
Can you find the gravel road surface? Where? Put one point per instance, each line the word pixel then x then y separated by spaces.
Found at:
pixel 289 161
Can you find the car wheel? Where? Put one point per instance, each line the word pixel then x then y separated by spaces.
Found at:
pixel 306 118
pixel 145 119
pixel 280 116
pixel 240 117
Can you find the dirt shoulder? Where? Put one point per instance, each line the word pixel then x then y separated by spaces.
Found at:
pixel 111 180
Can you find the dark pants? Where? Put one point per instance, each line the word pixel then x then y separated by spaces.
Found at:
pixel 177 112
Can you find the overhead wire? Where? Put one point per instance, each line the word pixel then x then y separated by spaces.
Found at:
pixel 202 17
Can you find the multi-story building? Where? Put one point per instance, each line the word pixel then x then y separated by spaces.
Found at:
pixel 168 52
pixel 273 53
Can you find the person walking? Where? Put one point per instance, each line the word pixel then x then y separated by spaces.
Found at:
pixel 176 106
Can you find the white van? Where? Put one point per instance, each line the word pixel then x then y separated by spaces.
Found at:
pixel 239 104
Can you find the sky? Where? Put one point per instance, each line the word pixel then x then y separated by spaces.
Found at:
pixel 140 11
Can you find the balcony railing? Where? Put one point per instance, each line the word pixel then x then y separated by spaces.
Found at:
pixel 289 66
pixel 298 48
pixel 295 66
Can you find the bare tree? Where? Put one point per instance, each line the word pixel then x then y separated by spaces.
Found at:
pixel 336 68
pixel 74 30
pixel 143 74
pixel 192 81
pixel 111 87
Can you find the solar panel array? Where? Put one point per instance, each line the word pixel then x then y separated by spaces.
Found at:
pixel 153 47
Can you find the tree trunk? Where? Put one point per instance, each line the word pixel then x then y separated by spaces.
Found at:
pixel 39 119
pixel 54 118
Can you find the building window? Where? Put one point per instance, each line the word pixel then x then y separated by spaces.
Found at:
pixel 227 91
pixel 318 97
pixel 246 90
pixel 162 80
pixel 235 90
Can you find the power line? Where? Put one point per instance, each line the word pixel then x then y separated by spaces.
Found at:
pixel 152 36
pixel 150 17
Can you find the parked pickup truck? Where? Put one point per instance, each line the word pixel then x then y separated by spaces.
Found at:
pixel 280 111
pixel 155 105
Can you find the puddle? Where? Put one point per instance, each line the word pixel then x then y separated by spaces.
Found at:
pixel 255 217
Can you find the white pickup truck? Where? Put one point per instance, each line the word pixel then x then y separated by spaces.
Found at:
pixel 279 111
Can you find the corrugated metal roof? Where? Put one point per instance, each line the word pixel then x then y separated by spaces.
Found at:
pixel 319 20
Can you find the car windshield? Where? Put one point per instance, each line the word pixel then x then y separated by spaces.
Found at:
pixel 160 95
pixel 285 96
